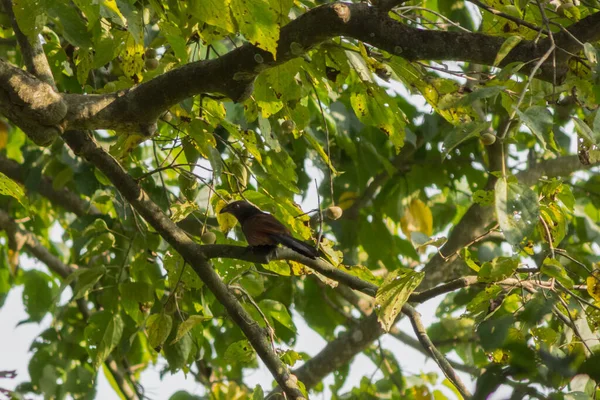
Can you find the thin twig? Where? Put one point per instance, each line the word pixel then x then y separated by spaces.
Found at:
pixel 320 235
pixel 421 332
pixel 325 126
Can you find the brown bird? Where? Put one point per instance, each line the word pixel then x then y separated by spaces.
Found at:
pixel 262 229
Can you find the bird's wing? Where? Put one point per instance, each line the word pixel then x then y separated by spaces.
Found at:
pixel 259 229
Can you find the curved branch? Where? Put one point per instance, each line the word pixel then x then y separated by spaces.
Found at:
pixel 440 359
pixel 31 104
pixel 84 145
pixel 232 74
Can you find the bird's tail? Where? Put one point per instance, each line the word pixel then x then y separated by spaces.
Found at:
pixel 297 245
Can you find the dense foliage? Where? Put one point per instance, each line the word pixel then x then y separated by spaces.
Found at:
pixel 439 141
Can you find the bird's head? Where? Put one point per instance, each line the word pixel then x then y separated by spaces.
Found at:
pixel 240 209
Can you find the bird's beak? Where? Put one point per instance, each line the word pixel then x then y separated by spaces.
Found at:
pixel 225 209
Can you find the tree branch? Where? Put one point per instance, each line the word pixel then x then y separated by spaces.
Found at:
pixel 440 359
pixel 138 108
pixel 331 357
pixel 72 202
pixel 84 145
pixel 31 104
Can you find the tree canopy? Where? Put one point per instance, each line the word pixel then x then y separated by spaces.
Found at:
pixel 128 125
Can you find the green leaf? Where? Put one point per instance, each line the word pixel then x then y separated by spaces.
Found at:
pixel 585 131
pixel 38 293
pixel 110 339
pixel 179 211
pixel 258 393
pixel 188 325
pixel 320 151
pixel 240 352
pixel 517 210
pixel 393 293
pixel 257 22
pixel 134 295
pixel 466 255
pixel 11 188
pixel 99 244
pixel 479 94
pixel 289 357
pixel 69 21
pixel 277 311
pixel 554 269
pixel 173 263
pixel 540 121
pixel 86 280
pixel 158 328
pixel 361 272
pixel 591 367
pixel 493 332
pixel 506 47
pixel 460 134
pixel 590 52
pixel 213 12
pixel 30 15
pixel 177 353
pixel 498 269
pixel 373 106
pixel 553 223
pixel 483 197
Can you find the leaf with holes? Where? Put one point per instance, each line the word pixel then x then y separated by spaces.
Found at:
pixel 158 328
pixel 517 209
pixel 393 294
pixel 240 352
pixel 11 188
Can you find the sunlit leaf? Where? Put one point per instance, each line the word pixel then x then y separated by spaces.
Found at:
pixel 8 187
pixel 510 43
pixel 417 218
pixel 517 210
pixel 240 352
pixel 393 294
pixel 158 328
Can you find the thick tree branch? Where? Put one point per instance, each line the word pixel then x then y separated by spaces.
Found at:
pixel 31 104
pixel 138 108
pixel 85 146
pixel 54 264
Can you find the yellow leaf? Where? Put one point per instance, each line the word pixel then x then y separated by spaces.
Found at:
pixel 298 269
pixel 593 285
pixel 3 134
pixel 347 199
pixel 132 61
pixel 226 221
pixel 417 218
